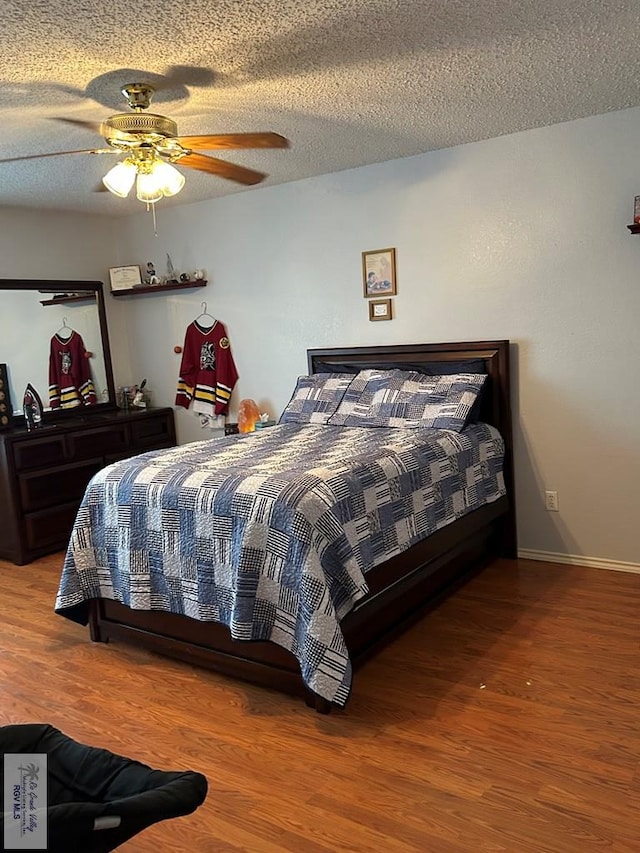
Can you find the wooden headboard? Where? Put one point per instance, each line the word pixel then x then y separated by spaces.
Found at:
pixel 496 395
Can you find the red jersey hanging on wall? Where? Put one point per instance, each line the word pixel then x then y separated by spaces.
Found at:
pixel 70 382
pixel 207 370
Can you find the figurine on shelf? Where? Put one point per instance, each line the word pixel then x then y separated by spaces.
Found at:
pixel 172 275
pixel 152 278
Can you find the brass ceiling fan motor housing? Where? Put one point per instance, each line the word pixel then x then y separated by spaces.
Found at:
pixel 123 126
pixel 145 127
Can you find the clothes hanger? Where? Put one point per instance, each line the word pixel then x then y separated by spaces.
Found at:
pixel 64 328
pixel 204 313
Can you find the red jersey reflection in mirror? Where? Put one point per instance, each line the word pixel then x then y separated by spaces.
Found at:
pixel 70 382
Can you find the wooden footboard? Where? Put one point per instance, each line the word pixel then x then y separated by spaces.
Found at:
pixel 402 590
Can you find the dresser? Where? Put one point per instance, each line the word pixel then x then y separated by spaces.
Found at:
pixel 43 473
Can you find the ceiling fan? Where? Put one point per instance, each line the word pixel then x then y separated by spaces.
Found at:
pixel 151 146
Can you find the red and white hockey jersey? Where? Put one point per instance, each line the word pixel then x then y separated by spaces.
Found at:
pixel 207 370
pixel 70 382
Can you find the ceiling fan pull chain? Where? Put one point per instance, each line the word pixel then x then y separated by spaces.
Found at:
pixel 153 213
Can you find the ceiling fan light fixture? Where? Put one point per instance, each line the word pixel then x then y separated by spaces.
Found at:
pixel 148 188
pixel 169 178
pixel 121 178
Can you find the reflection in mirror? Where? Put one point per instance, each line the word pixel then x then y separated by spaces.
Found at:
pixel 32 319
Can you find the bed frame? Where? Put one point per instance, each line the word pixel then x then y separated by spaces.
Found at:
pixel 401 589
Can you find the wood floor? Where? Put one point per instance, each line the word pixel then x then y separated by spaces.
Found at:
pixel 507 720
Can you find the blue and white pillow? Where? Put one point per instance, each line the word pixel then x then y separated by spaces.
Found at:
pixel 357 398
pixel 409 400
pixel 316 398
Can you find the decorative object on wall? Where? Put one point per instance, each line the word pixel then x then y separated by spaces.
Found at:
pixel 124 278
pixel 207 371
pixel 379 272
pixel 6 408
pixel 380 309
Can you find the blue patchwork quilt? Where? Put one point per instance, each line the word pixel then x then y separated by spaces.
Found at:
pixel 273 533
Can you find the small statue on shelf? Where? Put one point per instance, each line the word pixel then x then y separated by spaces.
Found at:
pixel 172 275
pixel 152 278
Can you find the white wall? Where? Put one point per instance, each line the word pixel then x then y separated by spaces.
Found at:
pixel 40 245
pixel 522 237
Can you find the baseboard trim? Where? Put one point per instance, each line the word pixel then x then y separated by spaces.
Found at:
pixel 579 560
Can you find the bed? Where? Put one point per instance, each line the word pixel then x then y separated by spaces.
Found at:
pixel 358 616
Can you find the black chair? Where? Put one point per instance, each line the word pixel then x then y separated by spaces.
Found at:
pixel 98 800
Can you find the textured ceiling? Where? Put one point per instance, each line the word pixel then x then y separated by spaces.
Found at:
pixel 349 82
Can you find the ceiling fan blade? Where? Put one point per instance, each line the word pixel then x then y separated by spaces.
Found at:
pixel 60 154
pixel 233 140
pixel 221 168
pixel 89 125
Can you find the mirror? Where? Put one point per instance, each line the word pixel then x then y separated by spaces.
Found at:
pixel 33 312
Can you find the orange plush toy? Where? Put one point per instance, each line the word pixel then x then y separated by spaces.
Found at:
pixel 248 415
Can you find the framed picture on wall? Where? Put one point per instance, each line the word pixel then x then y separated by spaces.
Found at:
pixel 380 309
pixel 379 272
pixel 124 278
pixel 6 409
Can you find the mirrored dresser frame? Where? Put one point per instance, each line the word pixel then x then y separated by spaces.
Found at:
pixel 44 472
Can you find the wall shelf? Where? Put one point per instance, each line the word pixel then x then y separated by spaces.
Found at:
pixel 158 288
pixel 635 228
pixel 85 297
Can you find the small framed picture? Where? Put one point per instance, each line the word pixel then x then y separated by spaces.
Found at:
pixel 124 278
pixel 636 210
pixel 379 272
pixel 380 309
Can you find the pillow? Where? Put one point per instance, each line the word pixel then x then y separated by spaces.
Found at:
pixel 410 400
pixel 315 398
pixel 357 397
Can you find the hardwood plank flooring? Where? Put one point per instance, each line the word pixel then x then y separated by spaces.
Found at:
pixel 508 719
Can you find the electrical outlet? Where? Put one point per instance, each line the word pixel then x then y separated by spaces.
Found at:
pixel 551 501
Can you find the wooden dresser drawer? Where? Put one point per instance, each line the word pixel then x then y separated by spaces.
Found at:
pixel 44 473
pixel 54 486
pixel 38 452
pixel 89 443
pixel 50 528
pixel 152 432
